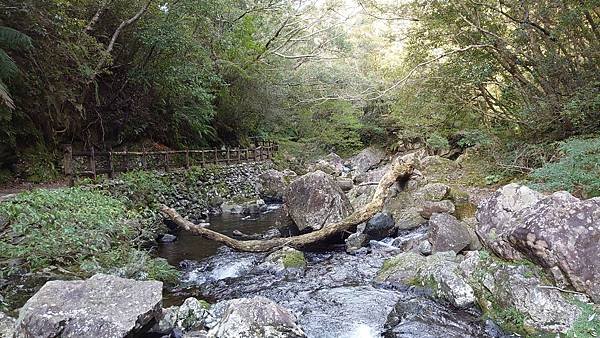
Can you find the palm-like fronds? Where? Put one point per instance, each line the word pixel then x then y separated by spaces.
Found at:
pixel 13 39
pixel 9 39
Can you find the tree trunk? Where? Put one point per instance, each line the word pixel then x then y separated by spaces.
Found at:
pixel 399 169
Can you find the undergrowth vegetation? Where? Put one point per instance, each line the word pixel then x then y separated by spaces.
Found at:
pixel 77 230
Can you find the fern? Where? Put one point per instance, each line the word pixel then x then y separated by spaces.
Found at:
pixel 13 39
pixel 10 39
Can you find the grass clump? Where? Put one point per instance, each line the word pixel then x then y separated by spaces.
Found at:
pixel 588 322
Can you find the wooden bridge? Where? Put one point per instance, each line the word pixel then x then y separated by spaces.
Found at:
pixel 92 163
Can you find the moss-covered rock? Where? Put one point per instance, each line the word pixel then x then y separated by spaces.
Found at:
pixel 512 294
pixel 287 258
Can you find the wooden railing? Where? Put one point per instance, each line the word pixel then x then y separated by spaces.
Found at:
pixel 92 163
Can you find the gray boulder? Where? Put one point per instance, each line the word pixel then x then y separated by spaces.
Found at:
pixel 433 192
pixel 272 184
pixel 189 316
pixel 356 241
pixel 101 306
pixel 446 233
pixel 256 317
pixel 429 208
pixel 515 293
pixel 562 231
pixel 380 226
pixel 438 271
pixel 315 200
pixel 332 164
pixel 7 326
pixel 494 215
pixel 367 159
pixel 345 184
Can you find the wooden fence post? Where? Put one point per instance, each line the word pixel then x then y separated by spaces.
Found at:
pixel 144 158
pixel 216 156
pixel 93 163
pixel 187 159
pixel 239 153
pixel 125 160
pixel 166 161
pixel 202 158
pixel 68 163
pixel 111 169
pixel 228 157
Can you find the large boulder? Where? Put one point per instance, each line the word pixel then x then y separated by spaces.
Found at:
pixel 272 184
pixel 438 271
pixel 429 208
pixel 256 317
pixel 446 233
pixel 101 306
pixel 514 295
pixel 433 192
pixel 563 231
pixel 495 213
pixel 7 326
pixel 367 159
pixel 332 164
pixel 315 200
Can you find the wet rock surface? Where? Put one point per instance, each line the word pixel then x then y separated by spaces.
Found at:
pixel 335 295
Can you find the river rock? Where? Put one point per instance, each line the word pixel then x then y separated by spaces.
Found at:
pixel 495 212
pixel 256 317
pixel 314 201
pixel 356 241
pixel 433 192
pixel 167 238
pixel 346 184
pixel 562 231
pixel 380 226
pixel 504 288
pixel 189 316
pixel 448 234
pixel 286 258
pixel 332 164
pixel 429 208
pixel 438 271
pixel 272 184
pixel 367 159
pixel 7 326
pixel 420 316
pixel 409 218
pixel 101 306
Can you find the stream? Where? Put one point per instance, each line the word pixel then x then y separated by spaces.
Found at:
pixel 334 296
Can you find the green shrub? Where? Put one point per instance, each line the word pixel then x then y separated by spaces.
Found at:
pixel 577 171
pixel 80 230
pixel 38 165
pixel 437 142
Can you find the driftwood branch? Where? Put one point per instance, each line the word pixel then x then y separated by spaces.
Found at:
pixel 399 169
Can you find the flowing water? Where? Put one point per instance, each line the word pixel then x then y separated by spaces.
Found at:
pixel 334 296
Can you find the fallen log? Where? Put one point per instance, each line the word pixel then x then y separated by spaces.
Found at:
pixel 399 169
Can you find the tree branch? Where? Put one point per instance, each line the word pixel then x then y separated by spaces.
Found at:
pixel 399 169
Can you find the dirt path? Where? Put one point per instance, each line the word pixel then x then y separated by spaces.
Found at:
pixel 13 188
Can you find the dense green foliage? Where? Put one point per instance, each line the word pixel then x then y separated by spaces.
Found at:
pixel 577 170
pixel 80 230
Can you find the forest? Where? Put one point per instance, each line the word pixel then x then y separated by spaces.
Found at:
pixel 519 78
pixel 433 168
